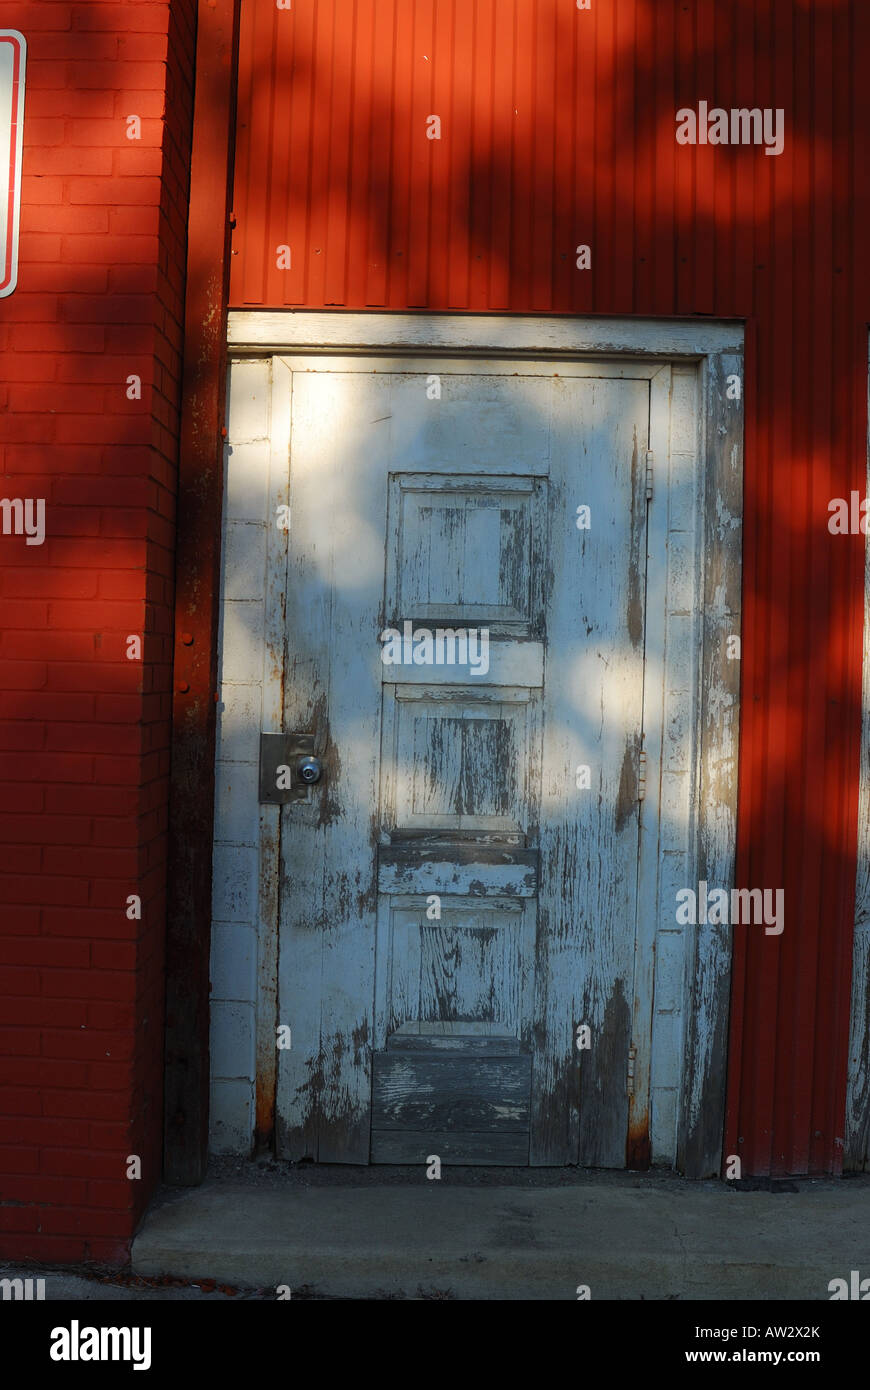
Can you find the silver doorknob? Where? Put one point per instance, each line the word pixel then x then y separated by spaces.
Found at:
pixel 309 770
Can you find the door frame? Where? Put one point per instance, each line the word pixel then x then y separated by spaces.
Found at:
pixel 639 348
pixel 856 1144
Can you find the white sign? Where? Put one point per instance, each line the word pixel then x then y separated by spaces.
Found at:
pixel 13 53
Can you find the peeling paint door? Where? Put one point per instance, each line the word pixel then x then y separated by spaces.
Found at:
pixel 459 891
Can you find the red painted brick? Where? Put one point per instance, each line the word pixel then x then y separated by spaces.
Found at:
pixel 93 738
pixel 104 555
pixel 111 248
pixel 150 47
pixel 106 919
pixel 101 614
pixel 133 279
pixel 18 889
pixel 89 1044
pixel 22 675
pixel 70 103
pixel 93 801
pixel 43 829
pixel 113 309
pixel 42 17
pixel 68 219
pixel 84 279
pixel 103 370
pixel 57 646
pixel 45 1131
pixel 66 1220
pixel 24 768
pixel 104 228
pixel 137 221
pixel 112 132
pixel 118 834
pixel 43 130
pixel 108 1015
pixel 140 102
pixel 106 1135
pixel 26 429
pixel 91 47
pixel 20 1100
pixel 39 1012
pixel 71 338
pixel 112 1076
pixel 20 1218
pixel 17 859
pixel 62 1249
pixel 23 613
pixel 120 18
pixel 45 75
pixel 19 921
pixel 18 1042
pixel 121 771
pixel 42 705
pixel 27 368
pixel 18 982
pixel 109 191
pixel 25 1188
pixel 102 863
pixel 138 159
pixel 118 76
pixel 112 955
pixel 67 160
pixel 17 1159
pixel 38 246
pixel 40 190
pixel 38 1071
pixel 82 1163
pixel 92 1105
pixel 30 308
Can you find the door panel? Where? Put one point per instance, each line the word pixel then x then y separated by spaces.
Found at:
pixel 455 902
pixel 593 708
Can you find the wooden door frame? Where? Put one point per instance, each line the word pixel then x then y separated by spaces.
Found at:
pixel 856 1147
pixel 716 350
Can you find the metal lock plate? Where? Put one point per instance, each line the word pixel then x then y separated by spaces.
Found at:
pixel 279 754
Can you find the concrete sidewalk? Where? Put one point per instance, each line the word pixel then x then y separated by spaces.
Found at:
pixel 627 1236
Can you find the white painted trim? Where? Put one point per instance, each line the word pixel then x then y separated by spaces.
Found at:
pixel 511 364
pixel 325 331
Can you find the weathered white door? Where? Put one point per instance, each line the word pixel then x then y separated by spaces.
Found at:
pixel 466 637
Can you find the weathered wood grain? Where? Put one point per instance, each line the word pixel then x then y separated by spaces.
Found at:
pixel 592 714
pixel 703 1110
pixel 275 330
pixel 450 1093
pixel 459 1148
pixel 476 1039
pixel 438 786
pixel 465 869
pixel 333 690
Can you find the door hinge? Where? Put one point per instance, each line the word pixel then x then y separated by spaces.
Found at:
pixel 641 775
pixel 632 1053
pixel 649 473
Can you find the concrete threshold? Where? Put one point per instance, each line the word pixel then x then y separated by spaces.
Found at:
pixel 625 1236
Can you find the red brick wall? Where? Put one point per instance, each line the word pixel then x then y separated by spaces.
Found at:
pixel 84 732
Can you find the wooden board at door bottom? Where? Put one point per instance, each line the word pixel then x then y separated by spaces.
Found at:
pixel 465 1109
pixel 457 1147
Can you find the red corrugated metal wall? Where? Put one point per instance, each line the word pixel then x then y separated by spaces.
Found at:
pixel 558 129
